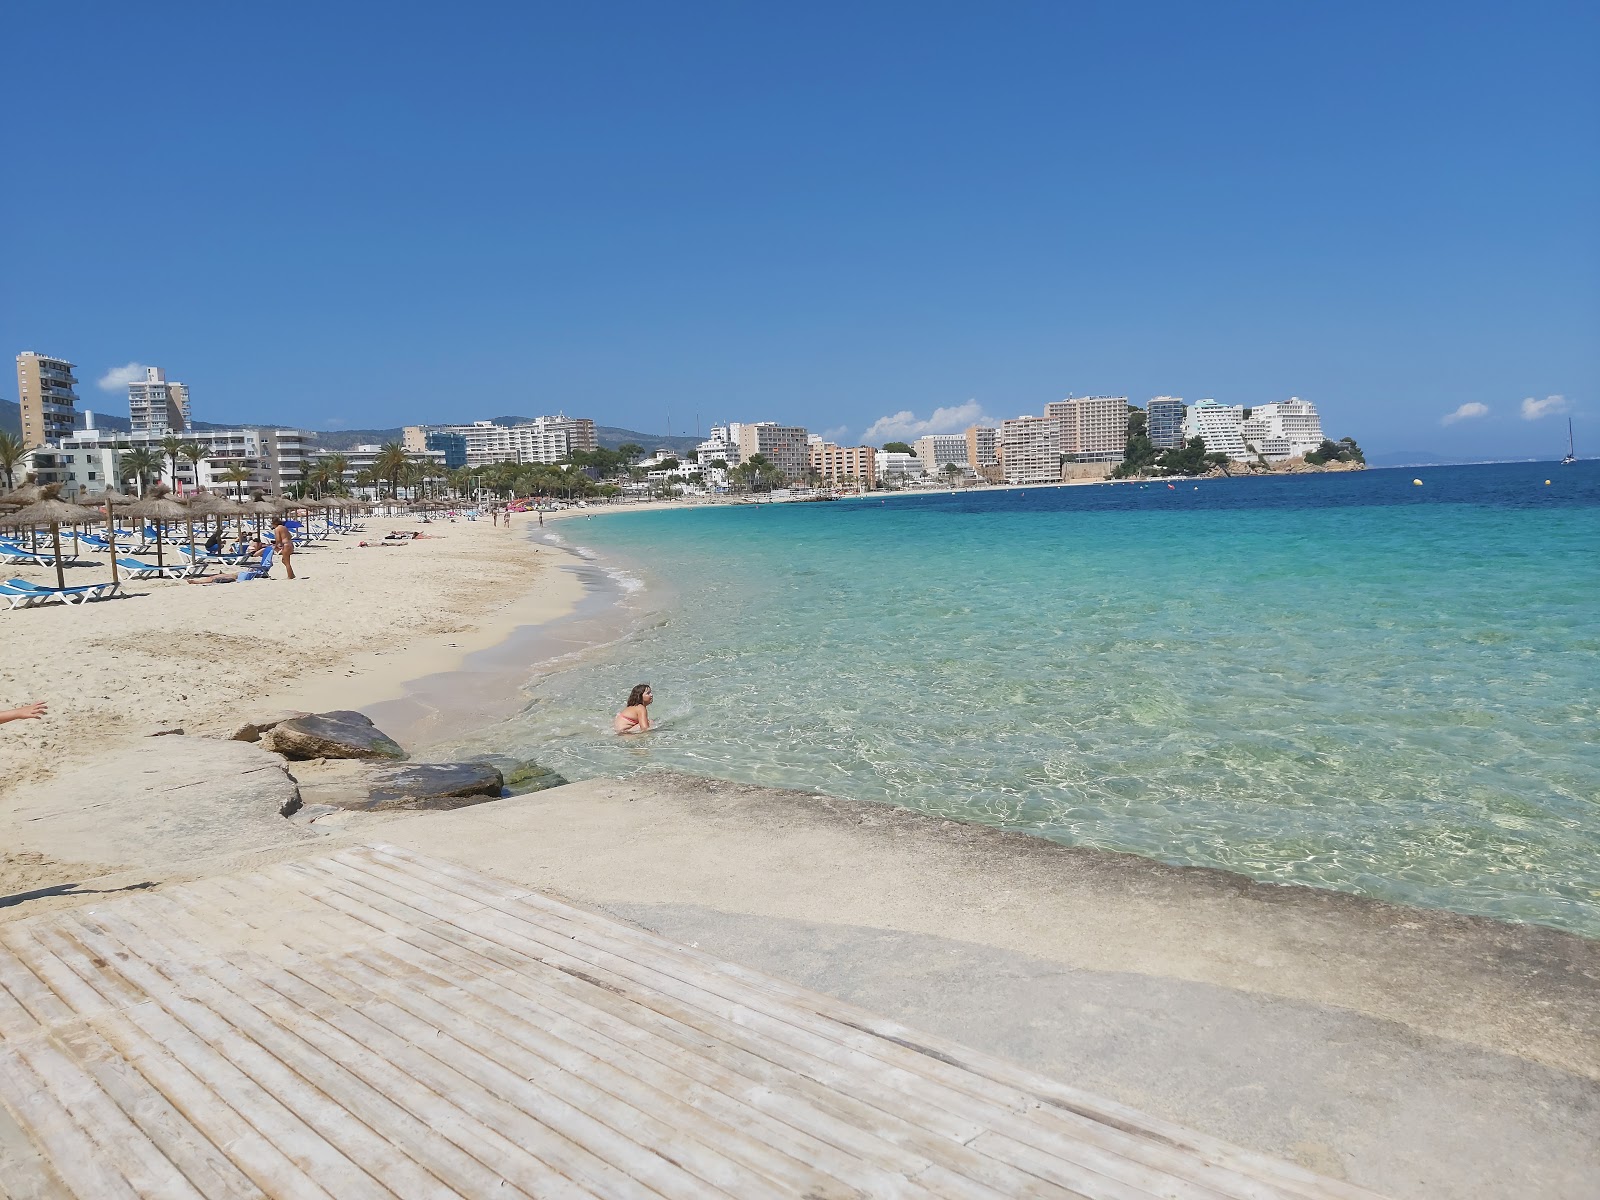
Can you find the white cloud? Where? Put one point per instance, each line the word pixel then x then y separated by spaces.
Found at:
pixel 1465 412
pixel 838 431
pixel 118 378
pixel 904 426
pixel 1533 409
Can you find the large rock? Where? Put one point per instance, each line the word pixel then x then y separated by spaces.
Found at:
pixel 340 734
pixel 364 787
pixel 252 730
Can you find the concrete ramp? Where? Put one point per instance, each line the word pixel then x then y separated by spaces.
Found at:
pixel 377 1023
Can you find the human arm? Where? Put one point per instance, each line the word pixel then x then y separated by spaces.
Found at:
pixel 26 712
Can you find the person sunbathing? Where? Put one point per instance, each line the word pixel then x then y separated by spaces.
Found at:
pixel 259 571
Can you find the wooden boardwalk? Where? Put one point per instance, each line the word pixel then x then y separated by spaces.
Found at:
pixel 375 1023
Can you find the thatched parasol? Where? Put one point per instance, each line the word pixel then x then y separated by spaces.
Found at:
pixel 108 500
pixel 50 510
pixel 161 508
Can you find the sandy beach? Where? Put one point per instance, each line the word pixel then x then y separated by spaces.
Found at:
pixel 351 630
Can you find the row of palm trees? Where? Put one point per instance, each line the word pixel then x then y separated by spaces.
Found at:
pixel 139 465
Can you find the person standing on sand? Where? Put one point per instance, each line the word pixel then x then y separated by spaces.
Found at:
pixel 28 712
pixel 283 543
pixel 635 718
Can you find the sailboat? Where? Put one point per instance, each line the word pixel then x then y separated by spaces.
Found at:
pixel 1571 457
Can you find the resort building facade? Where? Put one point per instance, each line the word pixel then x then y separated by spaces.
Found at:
pixel 784 446
pixel 1030 450
pixel 1093 428
pixel 847 466
pixel 546 439
pixel 939 450
pixel 896 466
pixel 1164 422
pixel 46 395
pixel 268 460
pixel 1285 429
pixel 1220 425
pixel 983 452
pixel 158 405
pixel 721 446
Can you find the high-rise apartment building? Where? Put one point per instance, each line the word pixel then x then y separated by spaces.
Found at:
pixel 939 450
pixel 722 446
pixel 156 405
pixel 983 452
pixel 1030 450
pixel 1286 429
pixel 46 396
pixel 849 466
pixel 1219 425
pixel 1093 428
pixel 784 446
pixel 1164 422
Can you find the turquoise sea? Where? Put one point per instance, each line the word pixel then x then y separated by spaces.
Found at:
pixel 1339 680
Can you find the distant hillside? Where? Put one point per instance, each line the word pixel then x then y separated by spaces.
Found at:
pixel 608 436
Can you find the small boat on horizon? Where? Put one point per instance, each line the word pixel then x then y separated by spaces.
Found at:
pixel 1571 457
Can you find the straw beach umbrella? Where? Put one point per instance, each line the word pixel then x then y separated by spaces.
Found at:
pixel 107 500
pixel 29 493
pixel 54 512
pixel 161 508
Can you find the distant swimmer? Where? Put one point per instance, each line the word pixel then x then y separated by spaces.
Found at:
pixel 635 718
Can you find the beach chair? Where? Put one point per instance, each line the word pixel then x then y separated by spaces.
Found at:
pixel 13 554
pixel 16 597
pixel 94 542
pixel 136 568
pixel 68 595
pixel 200 559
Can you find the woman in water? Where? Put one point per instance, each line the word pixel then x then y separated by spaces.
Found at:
pixel 635 718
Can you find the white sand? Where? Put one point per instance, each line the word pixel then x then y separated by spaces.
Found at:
pixel 356 625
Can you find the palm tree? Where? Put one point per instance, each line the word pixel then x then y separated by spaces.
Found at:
pixel 12 452
pixel 139 464
pixel 196 454
pixel 239 475
pixel 172 447
pixel 330 471
pixel 366 479
pixel 390 462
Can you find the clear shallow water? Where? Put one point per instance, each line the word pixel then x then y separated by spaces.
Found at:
pixel 1338 680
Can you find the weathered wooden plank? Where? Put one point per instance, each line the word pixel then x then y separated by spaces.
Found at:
pixel 343 1110
pixel 1116 1137
pixel 254 977
pixel 871 1136
pixel 1095 1170
pixel 72 1153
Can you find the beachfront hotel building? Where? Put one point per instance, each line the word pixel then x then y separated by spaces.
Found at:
pixel 1221 426
pixel 278 460
pixel 784 446
pixel 79 472
pixel 157 404
pixel 983 452
pixel 896 466
pixel 546 439
pixel 1030 450
pixel 721 446
pixel 46 396
pixel 939 450
pixel 1093 428
pixel 1164 422
pixel 844 466
pixel 1285 429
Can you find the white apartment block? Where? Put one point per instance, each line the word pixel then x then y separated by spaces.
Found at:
pixel 546 439
pixel 79 472
pixel 784 446
pixel 939 450
pixel 158 405
pixel 1286 429
pixel 1219 425
pixel 720 446
pixel 273 457
pixel 1164 422
pixel 1030 450
pixel 1093 428
pixel 896 466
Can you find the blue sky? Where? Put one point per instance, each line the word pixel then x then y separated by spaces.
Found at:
pixel 341 215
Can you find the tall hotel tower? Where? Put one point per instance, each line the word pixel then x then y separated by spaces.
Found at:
pixel 49 405
pixel 156 406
